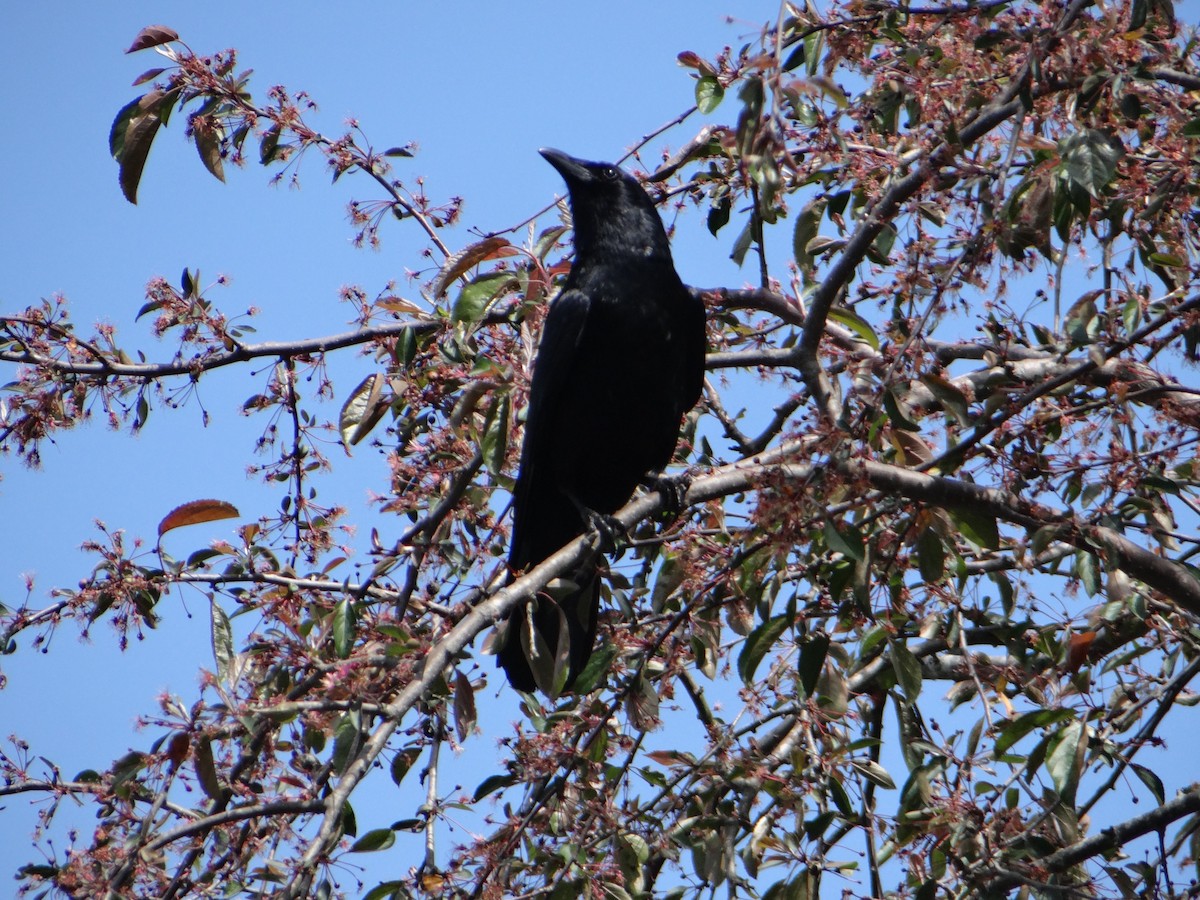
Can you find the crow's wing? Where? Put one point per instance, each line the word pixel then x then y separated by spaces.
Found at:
pixel 556 355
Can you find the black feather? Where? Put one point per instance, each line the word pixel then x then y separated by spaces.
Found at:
pixel 621 360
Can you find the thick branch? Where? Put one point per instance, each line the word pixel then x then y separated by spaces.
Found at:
pixel 1173 580
pixel 1186 803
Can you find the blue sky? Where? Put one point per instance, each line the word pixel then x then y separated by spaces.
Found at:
pixel 479 87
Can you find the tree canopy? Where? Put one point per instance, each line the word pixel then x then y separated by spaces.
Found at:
pixel 931 598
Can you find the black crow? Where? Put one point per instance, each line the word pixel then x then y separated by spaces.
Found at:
pixel 621 360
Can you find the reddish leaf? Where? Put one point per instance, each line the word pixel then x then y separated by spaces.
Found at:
pixel 488 248
pixel 177 748
pixel 148 75
pixel 152 36
pixel 465 714
pixel 1078 646
pixel 208 143
pixel 672 757
pixel 132 133
pixel 196 512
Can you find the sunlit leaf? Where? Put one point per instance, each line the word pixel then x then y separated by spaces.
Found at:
pixel 478 295
pixel 196 512
pixel 709 93
pixel 362 410
pixel 468 258
pixel 222 642
pixel 855 323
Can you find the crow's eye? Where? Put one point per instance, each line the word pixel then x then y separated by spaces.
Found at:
pixel 608 173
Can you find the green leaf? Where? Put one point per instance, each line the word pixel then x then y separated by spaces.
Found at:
pixel 709 93
pixel 387 890
pixel 977 526
pixel 494 445
pixel 813 653
pixel 718 214
pixel 222 642
pixel 855 323
pixel 594 670
pixel 1152 781
pixel 491 784
pixel 376 839
pixel 1088 569
pixel 402 762
pixel 478 295
pixel 344 622
pixel 1012 731
pixel 950 397
pixel 345 741
pixel 808 225
pixel 743 243
pixel 931 556
pixel 908 671
pixel 206 768
pixel 268 148
pixel 1168 260
pixel 882 245
pixel 846 540
pixel 758 644
pixel 1089 158
pixel 1065 761
pixel 874 773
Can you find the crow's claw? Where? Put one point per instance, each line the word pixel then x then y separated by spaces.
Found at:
pixel 673 488
pixel 609 530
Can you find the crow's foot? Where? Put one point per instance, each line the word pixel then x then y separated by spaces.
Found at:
pixel 673 488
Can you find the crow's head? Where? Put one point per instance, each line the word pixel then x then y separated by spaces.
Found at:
pixel 611 212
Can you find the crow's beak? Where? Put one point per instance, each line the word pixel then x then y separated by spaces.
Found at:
pixel 569 167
